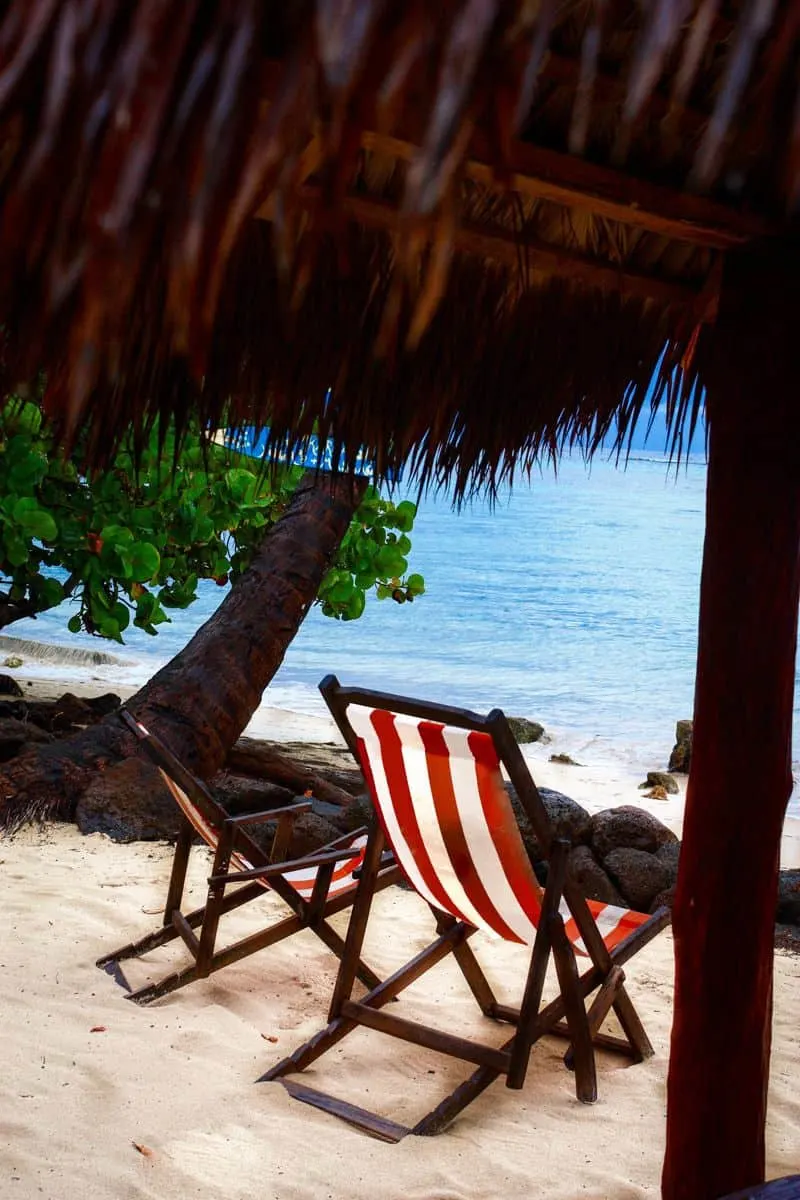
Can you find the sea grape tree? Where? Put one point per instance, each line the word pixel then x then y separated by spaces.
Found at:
pixel 130 543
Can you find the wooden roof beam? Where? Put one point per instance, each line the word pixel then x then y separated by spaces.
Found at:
pixel 542 256
pixel 575 183
pixel 501 246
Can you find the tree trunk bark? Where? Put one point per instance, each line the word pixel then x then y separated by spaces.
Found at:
pixel 202 700
pixel 740 778
pixel 264 762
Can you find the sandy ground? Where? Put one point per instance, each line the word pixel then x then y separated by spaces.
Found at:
pixel 103 1099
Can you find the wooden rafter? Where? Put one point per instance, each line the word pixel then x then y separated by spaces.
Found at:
pixel 501 246
pixel 575 183
pixel 515 250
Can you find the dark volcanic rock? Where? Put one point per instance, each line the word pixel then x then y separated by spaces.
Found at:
pixel 101 706
pixel 589 876
pixel 665 899
pixel 660 779
pixel 681 755
pixel 629 827
pixel 309 832
pixel 359 812
pixel 669 855
pixel 525 730
pixel 9 686
pixel 239 793
pixel 15 734
pixel 569 819
pixel 638 875
pixel 129 802
pixel 788 912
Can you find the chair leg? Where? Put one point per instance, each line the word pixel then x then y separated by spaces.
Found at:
pixel 222 958
pixel 357 927
pixel 177 881
pixel 180 862
pixel 575 1011
pixel 603 960
pixel 446 1112
pixel 632 1027
pixel 534 985
pixel 599 1007
pixel 214 902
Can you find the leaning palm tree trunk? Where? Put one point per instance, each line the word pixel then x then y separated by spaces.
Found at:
pixel 202 700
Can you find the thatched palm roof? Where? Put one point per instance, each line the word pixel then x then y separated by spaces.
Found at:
pixel 486 224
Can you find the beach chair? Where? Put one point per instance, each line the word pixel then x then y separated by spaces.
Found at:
pixel 313 887
pixel 434 774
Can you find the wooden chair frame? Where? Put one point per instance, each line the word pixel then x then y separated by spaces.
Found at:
pixel 567 1016
pixel 230 889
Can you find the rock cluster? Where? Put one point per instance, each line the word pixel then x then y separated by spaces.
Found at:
pixel 621 856
pixel 26 722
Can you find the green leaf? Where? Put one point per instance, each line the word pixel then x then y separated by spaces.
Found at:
pixel 74 624
pixel 355 607
pixel 241 483
pixel 415 585
pixel 203 528
pixel 404 516
pixel 49 592
pixel 390 562
pixel 341 593
pixel 107 627
pixel 145 561
pixel 34 520
pixel 116 535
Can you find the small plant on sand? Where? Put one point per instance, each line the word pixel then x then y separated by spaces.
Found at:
pixel 131 542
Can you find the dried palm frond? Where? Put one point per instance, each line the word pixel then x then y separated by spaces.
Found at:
pixel 138 140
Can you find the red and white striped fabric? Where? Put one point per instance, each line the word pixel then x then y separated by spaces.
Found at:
pixel 301 880
pixel 447 816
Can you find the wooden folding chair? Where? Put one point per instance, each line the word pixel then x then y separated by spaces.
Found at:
pixel 313 887
pixel 435 779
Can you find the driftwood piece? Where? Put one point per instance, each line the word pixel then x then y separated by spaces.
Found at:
pixel 263 761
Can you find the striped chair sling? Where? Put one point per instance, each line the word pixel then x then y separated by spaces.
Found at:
pixel 448 817
pixel 435 777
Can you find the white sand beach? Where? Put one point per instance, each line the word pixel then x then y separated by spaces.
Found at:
pixel 101 1099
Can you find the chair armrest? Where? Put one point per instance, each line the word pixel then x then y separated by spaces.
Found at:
pixel 294 864
pixel 270 814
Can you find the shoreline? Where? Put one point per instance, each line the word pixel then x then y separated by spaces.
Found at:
pixel 596 783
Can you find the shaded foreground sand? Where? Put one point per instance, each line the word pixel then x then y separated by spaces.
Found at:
pixel 178 1079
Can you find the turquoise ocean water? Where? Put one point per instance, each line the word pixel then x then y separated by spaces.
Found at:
pixel 573 601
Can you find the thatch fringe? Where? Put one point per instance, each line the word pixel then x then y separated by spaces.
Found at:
pixel 137 141
pixel 548 365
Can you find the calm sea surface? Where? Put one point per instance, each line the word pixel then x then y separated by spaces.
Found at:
pixel 573 601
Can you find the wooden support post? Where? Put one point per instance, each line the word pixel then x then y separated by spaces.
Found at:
pixel 740 777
